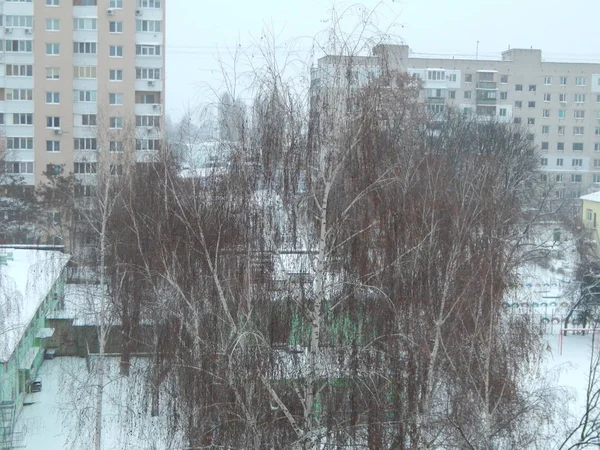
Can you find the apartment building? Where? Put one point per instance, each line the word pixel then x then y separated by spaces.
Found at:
pixel 558 102
pixel 80 81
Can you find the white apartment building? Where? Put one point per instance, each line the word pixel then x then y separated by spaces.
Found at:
pixel 80 79
pixel 558 102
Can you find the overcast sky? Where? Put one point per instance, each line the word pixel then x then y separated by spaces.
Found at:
pixel 199 31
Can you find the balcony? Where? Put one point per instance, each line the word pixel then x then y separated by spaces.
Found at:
pixel 486 101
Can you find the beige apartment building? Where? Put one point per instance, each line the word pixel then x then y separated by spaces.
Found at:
pixel 558 102
pixel 81 81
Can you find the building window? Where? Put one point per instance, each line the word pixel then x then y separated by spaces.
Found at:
pixel 84 96
pixel 115 4
pixel 575 194
pixel 543 177
pixel 53 98
pixel 544 161
pixel 147 50
pixel 598 96
pixel 452 94
pixel 147 144
pixel 532 88
pixel 468 78
pixel 116 169
pixel 52 49
pixel 85 24
pixel 531 104
pixel 578 146
pixel 84 167
pixel 596 178
pixel 577 162
pixel 503 95
pixel 116 122
pixel 154 26
pixel 559 178
pixel 116 146
pixel 54 169
pixel 562 98
pixel 18 46
pixel 576 178
pixel 561 113
pixel 19 70
pixel 148 3
pixel 545 129
pixel 19 143
pixel 503 79
pixel 579 114
pixel 518 87
pixel 580 81
pixel 143 73
pixel 579 98
pixel 116 75
pixel 545 145
pixel 52 122
pixel 596 162
pixel 52 73
pixel 563 81
pixel 560 146
pixel 115 26
pixel 18 167
pixel 502 112
pixel 517 120
pixel 84 48
pixel 115 98
pixel 53 146
pixel 597 115
pixel 85 191
pixel 561 130
pixel 545 113
pixel 52 2
pixel 89 120
pixel 559 162
pixel 518 104
pixel 18 21
pixel 578 131
pixel 530 136
pixel 116 51
pixel 85 144
pixel 147 121
pixel 467 94
pixel 547 81
pixel 19 94
pixel 597 146
pixel 531 121
pixel 22 119
pixel 547 97
pixel 84 72
pixel 52 24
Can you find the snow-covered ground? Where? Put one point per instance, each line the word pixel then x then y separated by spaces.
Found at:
pixel 61 416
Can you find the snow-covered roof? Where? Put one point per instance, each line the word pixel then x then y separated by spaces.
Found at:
pixel 593 197
pixel 25 281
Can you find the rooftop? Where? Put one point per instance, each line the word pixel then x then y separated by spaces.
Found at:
pixel 593 197
pixel 25 280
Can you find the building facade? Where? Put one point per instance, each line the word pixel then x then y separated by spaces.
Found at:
pixel 558 102
pixel 80 80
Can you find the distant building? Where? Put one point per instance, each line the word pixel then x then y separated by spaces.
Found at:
pixel 558 102
pixel 79 77
pixel 31 286
pixel 591 217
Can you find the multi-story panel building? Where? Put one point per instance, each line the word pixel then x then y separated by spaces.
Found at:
pixel 80 79
pixel 558 102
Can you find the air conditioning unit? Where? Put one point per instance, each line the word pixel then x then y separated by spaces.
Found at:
pixel 150 82
pixel 57 131
pixel 110 11
pixel 155 107
pixel 138 12
pixel 8 30
pixel 28 31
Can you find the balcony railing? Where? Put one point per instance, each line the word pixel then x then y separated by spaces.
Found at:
pixel 490 85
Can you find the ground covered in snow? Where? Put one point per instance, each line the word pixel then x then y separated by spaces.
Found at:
pixel 61 416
